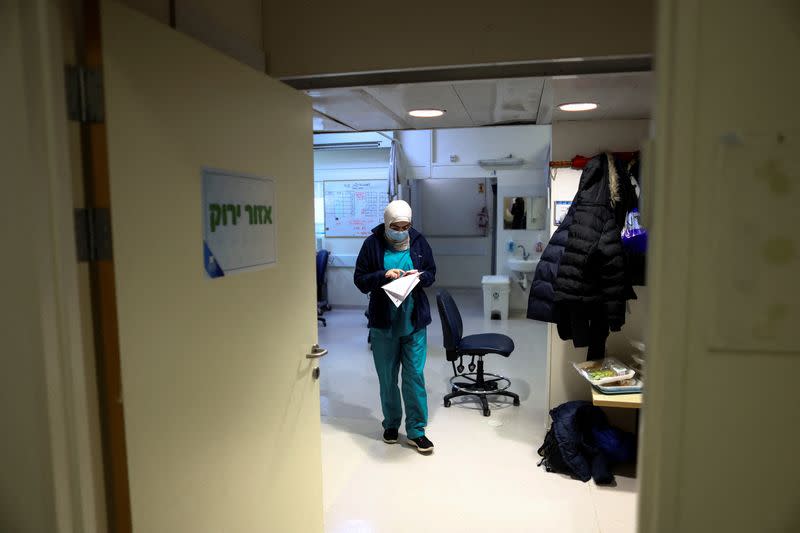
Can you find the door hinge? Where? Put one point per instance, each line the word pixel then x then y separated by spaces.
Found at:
pixel 93 234
pixel 84 94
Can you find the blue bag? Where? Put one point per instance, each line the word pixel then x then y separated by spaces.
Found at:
pixel 617 445
pixel 634 236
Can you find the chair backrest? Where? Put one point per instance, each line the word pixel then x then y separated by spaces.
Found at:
pixel 322 266
pixel 452 327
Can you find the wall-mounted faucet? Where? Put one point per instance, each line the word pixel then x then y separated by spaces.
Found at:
pixel 525 254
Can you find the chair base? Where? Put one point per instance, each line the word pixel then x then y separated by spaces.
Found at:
pixel 479 386
pixel 481 394
pixel 478 382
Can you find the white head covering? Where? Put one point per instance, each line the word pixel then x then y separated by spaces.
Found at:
pixel 397 211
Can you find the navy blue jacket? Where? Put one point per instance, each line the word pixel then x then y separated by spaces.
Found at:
pixel 572 424
pixel 370 277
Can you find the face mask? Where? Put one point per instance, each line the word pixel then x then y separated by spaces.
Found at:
pixel 397 236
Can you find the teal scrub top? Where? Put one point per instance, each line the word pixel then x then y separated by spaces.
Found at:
pixel 401 316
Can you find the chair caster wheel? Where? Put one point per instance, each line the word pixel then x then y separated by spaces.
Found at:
pixel 516 403
pixel 447 403
pixel 487 412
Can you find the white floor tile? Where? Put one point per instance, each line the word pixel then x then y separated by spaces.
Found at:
pixel 615 506
pixel 482 475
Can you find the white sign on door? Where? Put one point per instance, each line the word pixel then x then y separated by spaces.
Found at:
pixel 238 223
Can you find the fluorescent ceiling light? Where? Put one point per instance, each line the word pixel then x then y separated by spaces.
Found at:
pixel 426 113
pixel 578 106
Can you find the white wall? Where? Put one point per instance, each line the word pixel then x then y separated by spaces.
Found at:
pixel 589 138
pixel 461 262
pixel 46 474
pixel 719 452
pixel 234 28
pixel 454 153
pixel 288 33
pixel 317 37
pixel 26 479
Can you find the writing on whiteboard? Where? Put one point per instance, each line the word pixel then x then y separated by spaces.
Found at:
pixel 353 208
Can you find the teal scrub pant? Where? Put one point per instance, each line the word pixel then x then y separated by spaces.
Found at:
pixel 390 354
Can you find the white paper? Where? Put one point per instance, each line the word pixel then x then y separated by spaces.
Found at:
pixel 399 289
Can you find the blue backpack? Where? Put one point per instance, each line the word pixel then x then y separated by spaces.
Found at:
pixel 617 445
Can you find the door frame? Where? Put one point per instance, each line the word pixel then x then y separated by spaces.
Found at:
pixel 97 193
pixel 668 266
pixel 68 378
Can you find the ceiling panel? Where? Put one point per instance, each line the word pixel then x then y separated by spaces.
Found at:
pixel 500 101
pixel 400 99
pixel 545 115
pixel 356 108
pixel 323 124
pixel 619 96
pixel 478 98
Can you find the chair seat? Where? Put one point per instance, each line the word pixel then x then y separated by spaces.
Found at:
pixel 486 343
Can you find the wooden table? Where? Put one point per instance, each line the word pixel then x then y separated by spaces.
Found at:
pixel 624 401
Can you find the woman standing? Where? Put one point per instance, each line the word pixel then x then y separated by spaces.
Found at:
pixel 398 334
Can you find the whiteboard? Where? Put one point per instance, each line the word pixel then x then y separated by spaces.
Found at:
pixel 353 208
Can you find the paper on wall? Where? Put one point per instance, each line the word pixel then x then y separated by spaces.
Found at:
pixel 399 289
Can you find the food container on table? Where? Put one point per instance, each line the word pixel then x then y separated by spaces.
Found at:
pixel 604 371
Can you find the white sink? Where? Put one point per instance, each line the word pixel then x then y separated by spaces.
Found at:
pixel 522 265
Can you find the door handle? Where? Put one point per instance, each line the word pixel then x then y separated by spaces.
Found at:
pixel 316 352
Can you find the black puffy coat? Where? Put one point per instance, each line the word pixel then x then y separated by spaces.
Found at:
pixel 581 282
pixel 541 300
pixel 592 271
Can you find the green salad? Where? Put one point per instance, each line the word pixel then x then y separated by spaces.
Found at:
pixel 600 373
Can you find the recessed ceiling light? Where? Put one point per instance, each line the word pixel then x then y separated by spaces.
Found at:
pixel 426 113
pixel 578 106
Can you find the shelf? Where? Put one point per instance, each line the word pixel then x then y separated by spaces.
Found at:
pixel 623 401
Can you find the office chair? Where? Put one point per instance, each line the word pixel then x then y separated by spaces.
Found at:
pixel 472 383
pixel 322 287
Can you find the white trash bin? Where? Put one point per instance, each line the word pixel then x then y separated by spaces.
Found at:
pixel 496 290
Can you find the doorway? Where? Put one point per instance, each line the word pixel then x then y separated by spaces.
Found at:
pixel 522 430
pixel 498 450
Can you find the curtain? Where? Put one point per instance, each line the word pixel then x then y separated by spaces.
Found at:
pixel 396 169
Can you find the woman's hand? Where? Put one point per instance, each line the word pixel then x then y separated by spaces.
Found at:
pixel 394 273
pixel 410 272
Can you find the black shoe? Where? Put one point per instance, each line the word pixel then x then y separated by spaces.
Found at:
pixel 422 444
pixel 390 436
